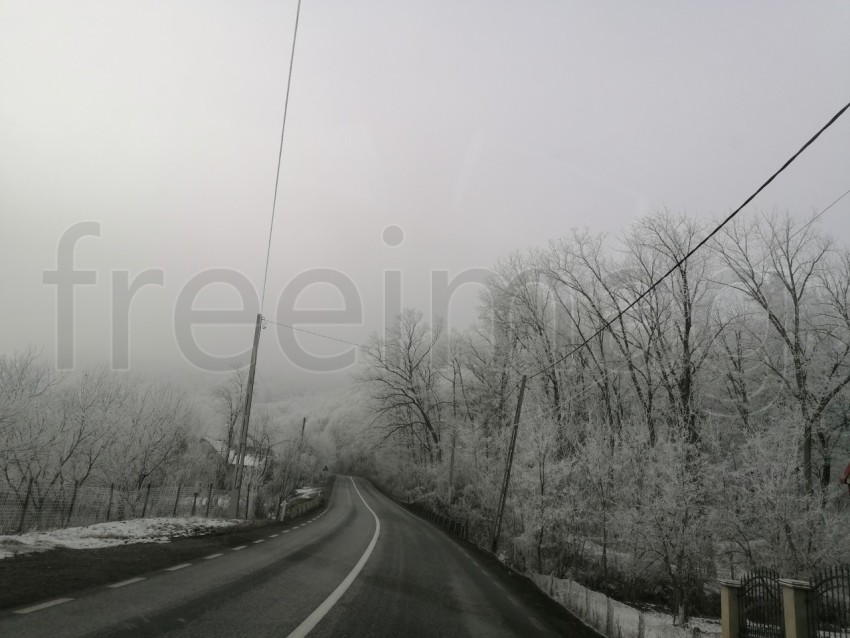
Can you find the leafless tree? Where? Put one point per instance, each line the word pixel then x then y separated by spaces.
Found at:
pixel 403 382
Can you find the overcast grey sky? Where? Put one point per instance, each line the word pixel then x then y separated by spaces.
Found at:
pixel 477 127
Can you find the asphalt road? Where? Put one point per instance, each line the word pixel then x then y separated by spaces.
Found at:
pixel 363 566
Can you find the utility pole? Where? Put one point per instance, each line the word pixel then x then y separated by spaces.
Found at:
pixel 452 468
pixel 298 452
pixel 454 434
pixel 246 416
pixel 498 528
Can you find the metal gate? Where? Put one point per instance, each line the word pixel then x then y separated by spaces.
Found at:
pixel 761 605
pixel 829 603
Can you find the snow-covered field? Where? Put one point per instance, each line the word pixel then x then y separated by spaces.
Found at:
pixel 140 530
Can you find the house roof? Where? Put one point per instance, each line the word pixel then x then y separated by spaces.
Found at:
pixel 251 459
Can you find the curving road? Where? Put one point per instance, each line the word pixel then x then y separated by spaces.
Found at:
pixel 363 566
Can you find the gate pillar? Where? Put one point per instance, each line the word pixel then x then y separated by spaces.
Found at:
pixel 730 608
pixel 795 594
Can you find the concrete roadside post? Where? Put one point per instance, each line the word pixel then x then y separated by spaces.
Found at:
pixel 730 608
pixel 109 505
pixel 176 500
pixel 147 496
pixel 795 607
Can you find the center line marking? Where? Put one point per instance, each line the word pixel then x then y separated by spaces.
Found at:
pixel 29 610
pixel 321 611
pixel 176 567
pixel 212 556
pixel 129 581
pixel 259 540
pixel 286 531
pixel 274 535
pixel 236 549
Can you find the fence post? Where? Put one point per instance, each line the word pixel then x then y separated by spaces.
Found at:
pixel 283 515
pixel 730 608
pixel 109 504
pixel 209 500
pixel 73 499
pixel 277 513
pixel 147 495
pixel 176 498
pixel 247 500
pixel 795 594
pixel 194 502
pixel 25 506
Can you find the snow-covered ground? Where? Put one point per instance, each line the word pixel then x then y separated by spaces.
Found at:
pixel 605 614
pixel 705 625
pixel 140 530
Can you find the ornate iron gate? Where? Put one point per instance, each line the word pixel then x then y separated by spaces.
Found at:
pixel 829 603
pixel 761 605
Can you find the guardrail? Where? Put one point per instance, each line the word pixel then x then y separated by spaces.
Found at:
pixel 452 525
pixel 294 510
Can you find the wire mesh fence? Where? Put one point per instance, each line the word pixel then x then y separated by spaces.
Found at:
pixel 32 506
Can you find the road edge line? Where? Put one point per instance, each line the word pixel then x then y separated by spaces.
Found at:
pixel 321 611
pixel 40 606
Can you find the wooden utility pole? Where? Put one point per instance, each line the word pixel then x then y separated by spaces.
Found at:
pixel 452 468
pixel 246 416
pixel 454 435
pixel 297 462
pixel 498 528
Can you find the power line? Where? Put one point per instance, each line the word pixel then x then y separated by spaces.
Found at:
pixel 608 323
pixel 310 332
pixel 595 386
pixel 280 154
pixel 835 202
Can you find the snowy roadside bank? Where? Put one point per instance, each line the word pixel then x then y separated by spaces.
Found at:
pixel 614 619
pixel 141 530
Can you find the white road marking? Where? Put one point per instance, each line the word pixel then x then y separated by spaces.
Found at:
pixel 51 603
pixel 274 535
pixel 123 583
pixel 313 619
pixel 212 556
pixel 260 540
pixel 176 567
pixel 236 549
pixel 535 622
pixel 286 531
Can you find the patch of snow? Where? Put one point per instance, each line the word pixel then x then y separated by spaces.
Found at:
pixel 705 625
pixel 139 530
